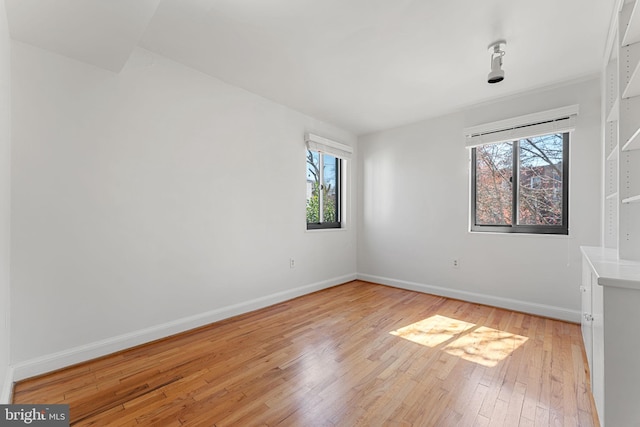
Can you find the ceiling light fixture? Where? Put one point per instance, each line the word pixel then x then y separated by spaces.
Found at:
pixel 496 49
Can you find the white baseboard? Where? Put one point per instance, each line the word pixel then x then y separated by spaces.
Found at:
pixel 7 387
pixel 107 346
pixel 508 303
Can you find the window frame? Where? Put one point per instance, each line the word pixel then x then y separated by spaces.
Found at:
pixel 325 225
pixel 514 227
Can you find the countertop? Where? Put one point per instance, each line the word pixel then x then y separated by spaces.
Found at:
pixel 611 270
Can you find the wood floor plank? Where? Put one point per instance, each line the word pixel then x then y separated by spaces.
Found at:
pixel 356 354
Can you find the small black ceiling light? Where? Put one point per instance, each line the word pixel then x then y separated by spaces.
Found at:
pixel 496 49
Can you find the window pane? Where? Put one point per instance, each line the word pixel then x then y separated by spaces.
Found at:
pixel 330 189
pixel 313 186
pixel 494 194
pixel 540 181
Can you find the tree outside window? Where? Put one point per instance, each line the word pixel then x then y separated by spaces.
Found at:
pixel 323 190
pixel 521 186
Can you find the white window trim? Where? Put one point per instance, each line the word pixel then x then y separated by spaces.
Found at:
pixel 328 146
pixel 558 120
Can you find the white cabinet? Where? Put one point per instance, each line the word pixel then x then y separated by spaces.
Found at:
pixel 596 365
pixel 587 313
pixel 611 334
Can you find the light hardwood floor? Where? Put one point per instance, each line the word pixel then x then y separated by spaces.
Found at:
pixel 355 354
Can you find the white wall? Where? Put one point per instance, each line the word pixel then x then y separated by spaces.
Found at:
pixel 414 211
pixel 151 196
pixel 5 156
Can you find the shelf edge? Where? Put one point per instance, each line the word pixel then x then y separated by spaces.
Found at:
pixel 632 199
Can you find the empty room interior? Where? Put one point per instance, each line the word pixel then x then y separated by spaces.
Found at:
pixel 320 213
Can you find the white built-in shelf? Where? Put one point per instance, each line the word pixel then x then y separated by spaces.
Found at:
pixel 633 199
pixel 633 143
pixel 612 196
pixel 633 87
pixel 632 33
pixel 614 112
pixel 613 155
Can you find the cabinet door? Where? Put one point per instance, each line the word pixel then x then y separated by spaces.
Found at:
pixel 586 321
pixel 597 367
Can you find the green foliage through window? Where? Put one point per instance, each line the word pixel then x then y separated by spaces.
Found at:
pixel 323 190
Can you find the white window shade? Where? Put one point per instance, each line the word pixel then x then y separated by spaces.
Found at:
pixel 559 120
pixel 327 146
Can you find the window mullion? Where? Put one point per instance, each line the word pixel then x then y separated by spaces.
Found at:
pixel 338 190
pixel 565 181
pixel 474 187
pixel 515 175
pixel 321 189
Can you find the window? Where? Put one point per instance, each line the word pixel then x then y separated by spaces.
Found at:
pixel 326 161
pixel 520 173
pixel 521 186
pixel 323 190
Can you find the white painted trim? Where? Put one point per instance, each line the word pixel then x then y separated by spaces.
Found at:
pixel 508 303
pixel 328 146
pixel 559 120
pixel 7 387
pixel 541 116
pixel 51 362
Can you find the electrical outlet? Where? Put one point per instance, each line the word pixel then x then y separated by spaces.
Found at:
pixel 455 263
pixel 292 263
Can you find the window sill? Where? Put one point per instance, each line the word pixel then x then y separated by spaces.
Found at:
pixel 529 235
pixel 316 230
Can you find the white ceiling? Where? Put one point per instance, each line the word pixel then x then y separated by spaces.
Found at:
pixel 364 65
pixel 99 32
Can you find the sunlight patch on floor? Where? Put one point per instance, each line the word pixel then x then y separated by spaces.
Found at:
pixel 478 344
pixel 433 330
pixel 485 346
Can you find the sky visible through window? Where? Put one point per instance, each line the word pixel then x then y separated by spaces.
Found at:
pixel 322 188
pixel 329 167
